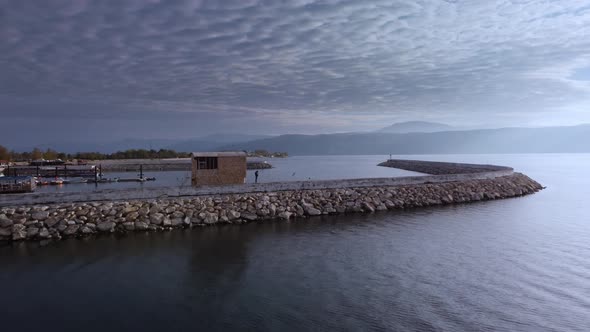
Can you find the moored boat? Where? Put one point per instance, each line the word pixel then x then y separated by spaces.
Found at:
pixel 78 180
pixel 57 181
pixel 102 180
pixel 41 181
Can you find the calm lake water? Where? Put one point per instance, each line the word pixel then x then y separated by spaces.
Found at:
pixel 512 265
pixel 297 168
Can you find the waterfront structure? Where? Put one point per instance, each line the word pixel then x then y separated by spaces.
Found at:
pixel 53 171
pixel 43 217
pixel 218 168
pixel 3 165
pixel 17 184
pixel 43 162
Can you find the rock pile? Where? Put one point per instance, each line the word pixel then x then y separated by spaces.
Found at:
pixel 441 168
pixel 258 165
pixel 81 219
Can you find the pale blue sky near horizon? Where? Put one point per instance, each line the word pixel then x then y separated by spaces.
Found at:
pixel 581 74
pixel 106 70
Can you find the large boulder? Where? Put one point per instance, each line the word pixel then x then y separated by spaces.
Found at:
pixel 233 215
pixel 311 210
pixel 155 209
pixel 6 231
pixel 44 233
pixel 157 218
pixel 381 207
pixel 176 222
pixel 141 226
pixel 249 216
pixel 177 214
pixel 285 215
pixel 368 207
pixel 5 222
pixel 209 217
pixel 19 232
pixel 32 232
pixel 130 226
pixel 86 230
pixel 389 204
pixel 40 215
pixel 130 209
pixel 81 212
pixel 71 230
pixel 107 226
pixel 9 212
pixel 144 211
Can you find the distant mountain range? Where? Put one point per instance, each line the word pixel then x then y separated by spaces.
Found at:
pixel 203 143
pixel 504 140
pixel 415 127
pixel 213 142
pixel 401 138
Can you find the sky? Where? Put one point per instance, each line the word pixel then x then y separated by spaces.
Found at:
pixel 102 70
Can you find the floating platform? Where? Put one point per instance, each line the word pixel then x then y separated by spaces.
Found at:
pixel 17 184
pixel 121 180
pixel 52 171
pixel 136 180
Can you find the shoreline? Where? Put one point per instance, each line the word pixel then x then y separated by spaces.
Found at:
pixel 52 217
pixel 163 165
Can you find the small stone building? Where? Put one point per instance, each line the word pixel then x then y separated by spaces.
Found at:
pixel 218 168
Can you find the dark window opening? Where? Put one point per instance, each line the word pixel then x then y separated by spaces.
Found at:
pixel 206 162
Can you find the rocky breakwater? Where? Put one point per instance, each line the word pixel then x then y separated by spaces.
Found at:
pixel 57 221
pixel 443 168
pixel 258 165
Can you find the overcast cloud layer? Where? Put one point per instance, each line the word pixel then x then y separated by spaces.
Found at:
pixel 184 68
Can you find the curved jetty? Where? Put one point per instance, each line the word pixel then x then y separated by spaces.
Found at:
pixel 258 165
pixel 52 217
pixel 443 168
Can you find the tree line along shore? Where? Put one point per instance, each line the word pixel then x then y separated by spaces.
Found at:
pixel 51 154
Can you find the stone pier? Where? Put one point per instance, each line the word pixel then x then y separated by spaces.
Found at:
pixel 55 216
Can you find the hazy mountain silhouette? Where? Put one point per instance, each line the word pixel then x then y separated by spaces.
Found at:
pixel 204 143
pixel 213 142
pixel 415 127
pixel 504 140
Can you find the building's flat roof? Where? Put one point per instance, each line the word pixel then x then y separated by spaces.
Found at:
pixel 220 154
pixel 14 178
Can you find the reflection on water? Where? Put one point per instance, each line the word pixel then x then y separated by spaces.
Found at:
pixel 509 265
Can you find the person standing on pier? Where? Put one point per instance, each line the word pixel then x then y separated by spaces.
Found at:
pixel 256 177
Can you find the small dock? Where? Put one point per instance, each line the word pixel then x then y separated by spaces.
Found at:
pixel 52 171
pixel 17 184
pixel 136 179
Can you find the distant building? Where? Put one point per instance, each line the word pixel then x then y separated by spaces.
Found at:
pixel 218 168
pixel 17 184
pixel 43 162
pixel 52 171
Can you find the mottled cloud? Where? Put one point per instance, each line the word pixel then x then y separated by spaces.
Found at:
pixel 259 65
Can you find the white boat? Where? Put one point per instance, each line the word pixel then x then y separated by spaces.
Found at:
pixel 56 181
pixel 1 171
pixel 75 180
